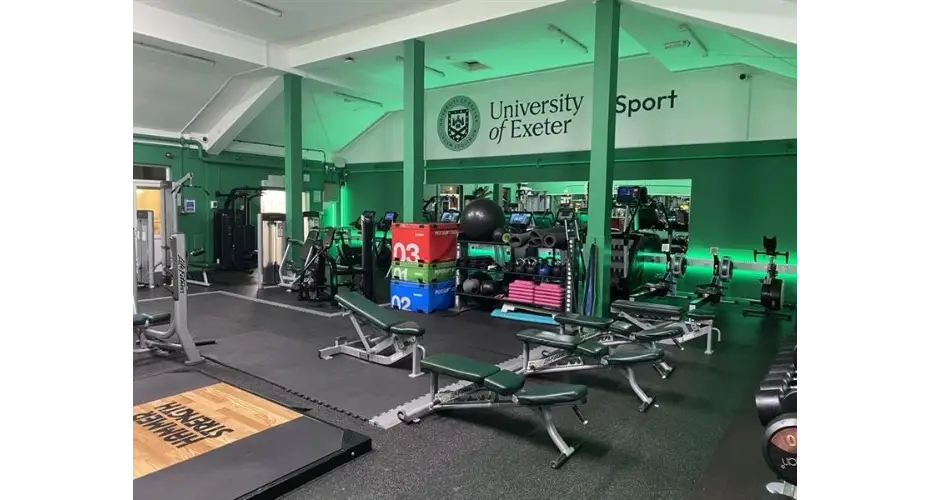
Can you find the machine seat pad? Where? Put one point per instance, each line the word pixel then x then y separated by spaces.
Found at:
pixel 374 314
pixel 582 320
pixel 505 382
pixel 549 339
pixel 702 314
pixel 634 354
pixel 150 319
pixel 545 395
pixel 621 327
pixel 592 349
pixel 659 333
pixel 408 328
pixel 631 306
pixel 459 367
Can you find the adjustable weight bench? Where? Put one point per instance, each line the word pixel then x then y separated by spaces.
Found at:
pixel 395 338
pixel 199 267
pixel 590 350
pixel 645 315
pixel 487 386
pixel 614 333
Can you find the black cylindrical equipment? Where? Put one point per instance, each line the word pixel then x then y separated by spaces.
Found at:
pixel 554 238
pixel 367 225
pixel 518 240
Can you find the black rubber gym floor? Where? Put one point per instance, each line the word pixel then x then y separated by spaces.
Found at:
pixel 670 452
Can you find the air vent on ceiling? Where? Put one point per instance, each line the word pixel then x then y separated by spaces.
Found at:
pixel 472 65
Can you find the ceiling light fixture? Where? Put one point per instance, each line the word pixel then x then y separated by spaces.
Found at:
pixel 271 11
pixel 427 68
pixel 162 50
pixel 565 37
pixel 352 98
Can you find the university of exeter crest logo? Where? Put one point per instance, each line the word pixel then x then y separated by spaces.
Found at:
pixel 458 123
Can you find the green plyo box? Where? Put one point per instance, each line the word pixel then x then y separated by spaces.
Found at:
pixel 415 272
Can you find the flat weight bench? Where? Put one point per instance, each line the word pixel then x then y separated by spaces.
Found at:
pixel 492 387
pixel 576 353
pixel 613 333
pixel 646 315
pixel 199 267
pixel 395 338
pixel 146 320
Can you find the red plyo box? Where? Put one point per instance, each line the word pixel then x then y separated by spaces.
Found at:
pixel 424 243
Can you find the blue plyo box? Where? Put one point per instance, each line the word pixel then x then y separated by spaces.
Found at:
pixel 423 298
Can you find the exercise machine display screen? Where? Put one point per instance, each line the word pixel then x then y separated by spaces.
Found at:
pixel 520 218
pixel 565 214
pixel 449 217
pixel 632 194
pixel 390 216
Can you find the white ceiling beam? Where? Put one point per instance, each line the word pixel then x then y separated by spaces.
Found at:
pixel 174 28
pixel 238 116
pixel 774 19
pixel 447 17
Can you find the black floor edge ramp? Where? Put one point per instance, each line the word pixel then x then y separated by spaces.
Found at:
pixel 290 391
pixel 192 473
pixel 354 445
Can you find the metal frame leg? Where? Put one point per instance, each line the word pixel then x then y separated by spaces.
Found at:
pixel 526 357
pixel 565 450
pixel 418 353
pixel 647 401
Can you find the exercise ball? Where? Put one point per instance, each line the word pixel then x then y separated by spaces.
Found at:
pixel 480 218
pixel 488 287
pixel 471 285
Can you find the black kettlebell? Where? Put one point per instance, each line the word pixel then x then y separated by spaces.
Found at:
pixel 531 266
pixel 519 266
pixel 556 271
pixel 498 235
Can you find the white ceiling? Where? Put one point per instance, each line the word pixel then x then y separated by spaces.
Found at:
pixel 302 20
pixel 169 90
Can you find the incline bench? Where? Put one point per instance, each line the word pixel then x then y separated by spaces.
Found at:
pixel 395 338
pixel 644 315
pixel 488 386
pixel 579 350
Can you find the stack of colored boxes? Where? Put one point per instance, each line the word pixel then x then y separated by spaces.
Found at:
pixel 549 295
pixel 423 268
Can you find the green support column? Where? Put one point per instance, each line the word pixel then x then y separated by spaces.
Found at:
pixel 293 156
pixel 414 113
pixel 496 193
pixel 603 129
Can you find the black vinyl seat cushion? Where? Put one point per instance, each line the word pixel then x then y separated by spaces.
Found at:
pixel 702 314
pixel 372 313
pixel 408 328
pixel 621 327
pixel 592 349
pixel 660 333
pixel 549 339
pixel 544 395
pixel 631 306
pixel 150 319
pixel 634 354
pixel 582 320
pixel 502 382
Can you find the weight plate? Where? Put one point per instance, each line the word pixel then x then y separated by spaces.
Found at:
pixel 780 448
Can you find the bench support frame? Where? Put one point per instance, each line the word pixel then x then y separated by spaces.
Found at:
pixel 177 338
pixel 372 348
pixel 470 396
pixel 560 360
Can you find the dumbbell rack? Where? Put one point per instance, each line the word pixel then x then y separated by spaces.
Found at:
pixel 776 404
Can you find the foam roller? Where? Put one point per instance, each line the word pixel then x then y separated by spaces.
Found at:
pixel 554 239
pixel 519 240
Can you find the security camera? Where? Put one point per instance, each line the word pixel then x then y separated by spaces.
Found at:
pixel 206 139
pixel 743 76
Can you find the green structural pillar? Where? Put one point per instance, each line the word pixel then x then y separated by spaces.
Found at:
pixel 603 129
pixel 414 113
pixel 293 157
pixel 496 193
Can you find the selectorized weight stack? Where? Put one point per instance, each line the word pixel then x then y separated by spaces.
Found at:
pixel 771 294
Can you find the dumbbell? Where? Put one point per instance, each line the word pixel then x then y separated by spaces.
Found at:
pixel 777 381
pixel 776 398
